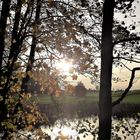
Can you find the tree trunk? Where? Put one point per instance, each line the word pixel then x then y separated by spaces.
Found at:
pixel 3 21
pixel 13 54
pixel 15 38
pixel 105 99
pixel 32 51
pixel 14 48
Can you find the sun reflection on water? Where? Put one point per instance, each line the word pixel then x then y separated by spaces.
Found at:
pixel 63 133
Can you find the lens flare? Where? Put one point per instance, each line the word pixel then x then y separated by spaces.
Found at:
pixel 65 132
pixel 64 66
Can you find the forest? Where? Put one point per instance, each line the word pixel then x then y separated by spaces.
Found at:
pixel 36 35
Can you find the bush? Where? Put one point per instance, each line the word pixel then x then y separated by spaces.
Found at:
pixel 80 90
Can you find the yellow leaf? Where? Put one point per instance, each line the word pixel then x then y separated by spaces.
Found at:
pixel 57 93
pixel 29 127
pixel 30 118
pixel 50 2
pixel 29 73
pixel 1 98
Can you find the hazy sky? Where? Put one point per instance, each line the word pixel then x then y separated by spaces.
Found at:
pixel 123 74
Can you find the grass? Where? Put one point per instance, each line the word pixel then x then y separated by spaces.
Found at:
pixel 65 99
pixel 132 97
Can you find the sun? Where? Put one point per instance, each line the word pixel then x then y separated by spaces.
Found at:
pixel 65 132
pixel 64 65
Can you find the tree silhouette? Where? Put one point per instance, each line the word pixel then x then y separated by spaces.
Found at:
pixel 105 99
pixel 35 34
pixel 80 90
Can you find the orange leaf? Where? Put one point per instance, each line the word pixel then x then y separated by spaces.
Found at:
pixel 74 77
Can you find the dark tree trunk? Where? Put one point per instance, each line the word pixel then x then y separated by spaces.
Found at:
pixel 12 55
pixel 3 21
pixel 105 99
pixel 34 39
pixel 15 46
pixel 32 51
pixel 15 38
pixel 29 66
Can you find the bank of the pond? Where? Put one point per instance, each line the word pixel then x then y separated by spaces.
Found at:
pixel 67 106
pixel 81 110
pixel 133 97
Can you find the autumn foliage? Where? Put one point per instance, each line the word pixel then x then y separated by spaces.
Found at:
pixel 69 89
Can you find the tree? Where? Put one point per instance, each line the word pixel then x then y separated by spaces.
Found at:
pixel 35 29
pixel 80 90
pixel 3 22
pixel 106 72
pixel 33 39
pixel 120 35
pixel 105 101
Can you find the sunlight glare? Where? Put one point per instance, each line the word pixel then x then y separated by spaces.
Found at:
pixel 65 131
pixel 64 66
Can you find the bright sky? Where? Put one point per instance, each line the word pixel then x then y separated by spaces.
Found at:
pixel 123 73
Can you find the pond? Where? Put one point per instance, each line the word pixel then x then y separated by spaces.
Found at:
pixel 87 129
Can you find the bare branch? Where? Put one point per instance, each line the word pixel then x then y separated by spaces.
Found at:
pixel 127 59
pixel 128 88
pixel 127 40
pixel 125 66
pixel 138 136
